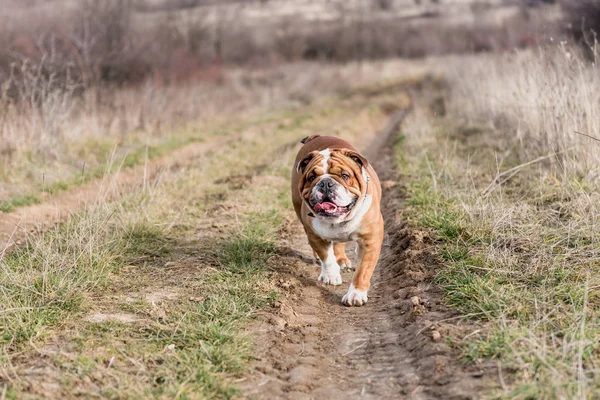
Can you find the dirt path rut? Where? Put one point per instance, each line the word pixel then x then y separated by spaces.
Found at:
pixel 17 225
pixel 312 347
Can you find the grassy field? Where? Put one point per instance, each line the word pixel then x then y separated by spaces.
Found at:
pixel 510 192
pixel 48 153
pixel 151 295
pixel 161 291
pixel 148 297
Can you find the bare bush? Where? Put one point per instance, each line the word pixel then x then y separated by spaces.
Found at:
pixel 74 70
pixel 34 121
pixel 121 41
pixel 583 19
pixel 100 33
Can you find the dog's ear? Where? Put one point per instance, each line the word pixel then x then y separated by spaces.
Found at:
pixel 356 157
pixel 302 164
pixel 309 138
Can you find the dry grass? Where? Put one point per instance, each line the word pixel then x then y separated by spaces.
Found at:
pixel 184 263
pixel 519 234
pixel 86 81
pixel 543 100
pixel 125 40
pixel 59 134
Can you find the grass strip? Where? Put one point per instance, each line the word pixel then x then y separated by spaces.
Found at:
pixel 524 259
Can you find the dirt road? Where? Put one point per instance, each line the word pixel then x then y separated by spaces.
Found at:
pixel 17 225
pixel 308 346
pixel 312 347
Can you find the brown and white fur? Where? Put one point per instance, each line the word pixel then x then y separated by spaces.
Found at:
pixel 337 195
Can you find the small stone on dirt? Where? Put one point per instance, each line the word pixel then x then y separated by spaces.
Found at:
pixel 277 321
pixel 436 336
pixel 302 374
pixel 198 299
pixel 418 307
pixel 477 374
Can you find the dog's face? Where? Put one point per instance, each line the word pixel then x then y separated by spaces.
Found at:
pixel 332 182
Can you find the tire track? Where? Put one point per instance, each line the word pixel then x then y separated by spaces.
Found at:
pixel 311 347
pixel 16 226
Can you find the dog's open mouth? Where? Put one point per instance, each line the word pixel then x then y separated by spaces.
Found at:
pixel 328 208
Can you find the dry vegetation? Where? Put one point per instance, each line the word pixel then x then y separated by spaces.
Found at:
pixel 511 192
pixel 502 165
pixel 54 138
pixel 185 263
pixel 545 100
pixel 86 83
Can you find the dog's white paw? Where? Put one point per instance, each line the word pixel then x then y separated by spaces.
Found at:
pixel 330 278
pixel 355 297
pixel 330 269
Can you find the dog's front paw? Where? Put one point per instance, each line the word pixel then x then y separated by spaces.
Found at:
pixel 355 297
pixel 330 278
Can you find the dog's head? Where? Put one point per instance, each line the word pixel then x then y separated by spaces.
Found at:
pixel 332 182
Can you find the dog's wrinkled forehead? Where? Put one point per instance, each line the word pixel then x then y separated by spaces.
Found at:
pixel 325 159
pixel 316 159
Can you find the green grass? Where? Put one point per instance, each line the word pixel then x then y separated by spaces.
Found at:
pixel 246 255
pixel 205 243
pixel 9 205
pixel 131 159
pixel 142 242
pixel 50 282
pixel 45 281
pixel 205 347
pixel 522 259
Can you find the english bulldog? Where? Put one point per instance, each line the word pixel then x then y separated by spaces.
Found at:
pixel 337 195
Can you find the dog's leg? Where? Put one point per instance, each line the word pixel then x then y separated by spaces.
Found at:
pixel 369 248
pixel 339 249
pixel 330 270
pixel 316 257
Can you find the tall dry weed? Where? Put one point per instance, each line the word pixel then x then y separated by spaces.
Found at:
pixel 546 101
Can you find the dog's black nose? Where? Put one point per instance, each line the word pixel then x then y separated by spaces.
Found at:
pixel 326 183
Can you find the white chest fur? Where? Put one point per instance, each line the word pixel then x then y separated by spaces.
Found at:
pixel 342 231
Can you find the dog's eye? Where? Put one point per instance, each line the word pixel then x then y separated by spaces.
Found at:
pixel 346 177
pixel 311 178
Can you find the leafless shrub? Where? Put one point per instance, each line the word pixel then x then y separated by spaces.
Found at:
pixel 101 37
pixel 35 103
pixel 583 19
pixel 112 67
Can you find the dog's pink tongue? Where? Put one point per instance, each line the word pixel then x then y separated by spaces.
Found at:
pixel 326 206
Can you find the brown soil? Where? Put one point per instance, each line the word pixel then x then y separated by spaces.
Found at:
pixel 312 347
